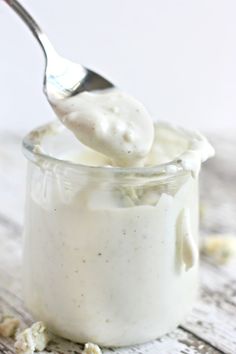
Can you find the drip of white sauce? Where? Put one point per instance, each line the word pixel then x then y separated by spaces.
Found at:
pixel 188 247
pixel 197 150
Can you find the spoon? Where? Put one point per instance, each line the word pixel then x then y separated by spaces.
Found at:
pixel 62 78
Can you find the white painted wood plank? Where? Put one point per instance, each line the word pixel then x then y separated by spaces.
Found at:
pixel 214 316
pixel 218 191
pixel 12 177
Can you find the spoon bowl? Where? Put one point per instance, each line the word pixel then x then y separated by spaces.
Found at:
pixel 64 78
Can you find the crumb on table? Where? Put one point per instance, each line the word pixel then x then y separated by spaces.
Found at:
pixel 34 338
pixel 8 326
pixel 91 348
pixel 221 248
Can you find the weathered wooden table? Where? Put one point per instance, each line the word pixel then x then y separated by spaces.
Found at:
pixel 210 328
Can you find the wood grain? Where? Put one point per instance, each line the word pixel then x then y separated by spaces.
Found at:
pixel 210 328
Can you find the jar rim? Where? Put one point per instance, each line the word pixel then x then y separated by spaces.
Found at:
pixel 32 151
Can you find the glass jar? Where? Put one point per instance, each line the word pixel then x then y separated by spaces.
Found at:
pixel 110 254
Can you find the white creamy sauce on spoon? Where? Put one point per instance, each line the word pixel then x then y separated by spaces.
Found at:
pixel 110 122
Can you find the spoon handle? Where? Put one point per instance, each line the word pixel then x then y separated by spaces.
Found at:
pixel 33 26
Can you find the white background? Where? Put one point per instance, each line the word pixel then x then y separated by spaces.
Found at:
pixel 177 57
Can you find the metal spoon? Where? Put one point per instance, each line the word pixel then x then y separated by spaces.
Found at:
pixel 62 78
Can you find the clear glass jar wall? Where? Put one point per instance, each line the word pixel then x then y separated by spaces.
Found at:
pixel 110 255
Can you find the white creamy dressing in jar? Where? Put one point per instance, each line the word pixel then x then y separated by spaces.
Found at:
pixel 107 258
